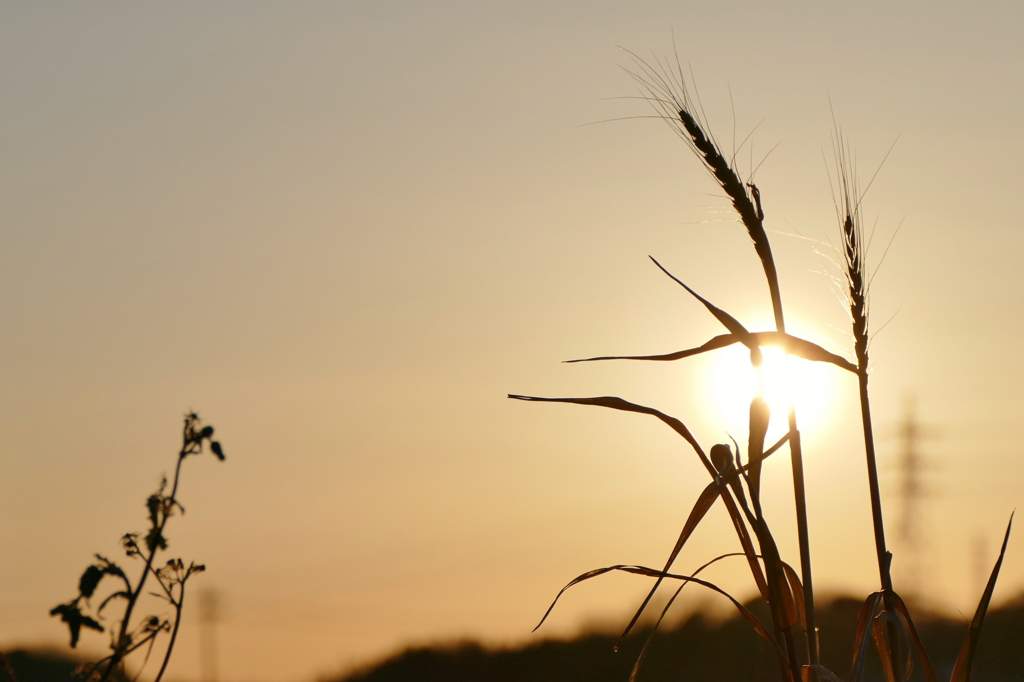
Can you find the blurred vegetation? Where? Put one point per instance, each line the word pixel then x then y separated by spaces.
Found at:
pixel 48 666
pixel 697 650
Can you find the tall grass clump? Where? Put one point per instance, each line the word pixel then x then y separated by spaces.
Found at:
pixel 128 635
pixel 884 620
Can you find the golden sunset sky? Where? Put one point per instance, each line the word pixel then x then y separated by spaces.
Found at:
pixel 342 232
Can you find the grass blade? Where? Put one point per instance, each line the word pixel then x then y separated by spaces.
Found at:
pixel 797 589
pixel 575 581
pixel 721 341
pixel 793 345
pixel 700 509
pixel 887 645
pixel 680 428
pixel 964 661
pixel 655 573
pixel 647 643
pixel 727 320
pixel 860 641
pixel 926 664
pixel 747 544
pixel 744 611
pixel 626 406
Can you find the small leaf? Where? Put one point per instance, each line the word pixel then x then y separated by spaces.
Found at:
pixel 90 580
pixel 70 614
pixel 216 449
pixel 206 432
pixel 110 568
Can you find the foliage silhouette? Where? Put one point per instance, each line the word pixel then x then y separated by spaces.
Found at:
pixel 789 595
pixel 171 576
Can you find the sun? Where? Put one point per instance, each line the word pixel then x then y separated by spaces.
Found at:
pixel 785 380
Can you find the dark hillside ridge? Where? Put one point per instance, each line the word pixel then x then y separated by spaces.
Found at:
pixel 699 650
pixel 46 666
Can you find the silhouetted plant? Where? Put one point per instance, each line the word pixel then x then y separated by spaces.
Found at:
pixel 790 596
pixel 171 576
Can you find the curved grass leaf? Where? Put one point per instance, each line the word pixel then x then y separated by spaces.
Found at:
pixel 626 406
pixel 884 640
pixel 926 664
pixel 664 612
pixel 794 345
pixel 680 428
pixel 720 341
pixel 747 544
pixel 964 661
pixel 860 641
pixel 874 618
pixel 700 509
pixel 734 514
pixel 654 573
pixel 727 320
pixel 797 590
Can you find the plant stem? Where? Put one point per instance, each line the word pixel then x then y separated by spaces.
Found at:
pixel 178 605
pixel 749 208
pixel 796 455
pixel 883 555
pixel 799 491
pixel 118 656
pixel 876 498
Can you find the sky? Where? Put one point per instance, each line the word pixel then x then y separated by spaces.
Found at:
pixel 342 232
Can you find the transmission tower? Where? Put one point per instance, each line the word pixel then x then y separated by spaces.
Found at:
pixel 911 465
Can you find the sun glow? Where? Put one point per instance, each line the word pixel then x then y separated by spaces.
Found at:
pixel 785 380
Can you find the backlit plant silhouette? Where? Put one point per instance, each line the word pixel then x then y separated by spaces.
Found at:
pixel 171 576
pixel 789 593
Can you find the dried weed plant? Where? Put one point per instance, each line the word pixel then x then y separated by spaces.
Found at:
pixel 128 636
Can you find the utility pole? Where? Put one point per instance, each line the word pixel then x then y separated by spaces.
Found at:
pixel 209 615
